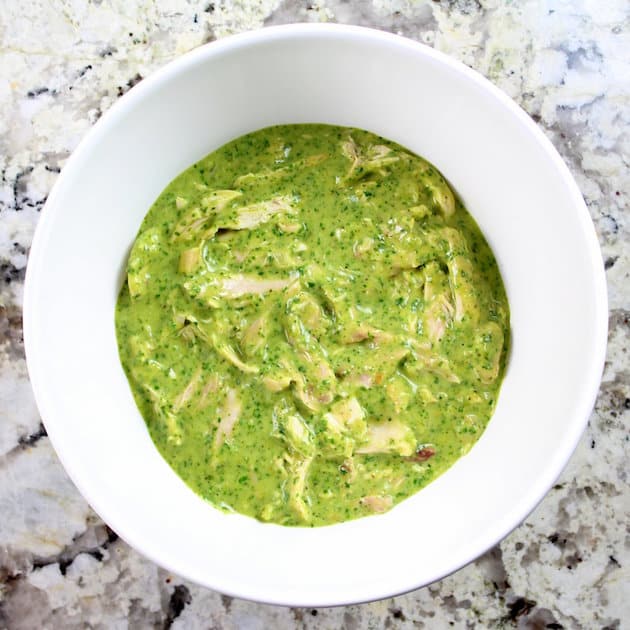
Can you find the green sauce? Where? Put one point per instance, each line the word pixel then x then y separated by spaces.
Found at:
pixel 313 327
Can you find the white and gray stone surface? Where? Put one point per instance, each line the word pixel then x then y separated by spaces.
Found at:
pixel 64 62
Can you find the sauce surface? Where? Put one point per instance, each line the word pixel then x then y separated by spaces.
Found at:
pixel 313 327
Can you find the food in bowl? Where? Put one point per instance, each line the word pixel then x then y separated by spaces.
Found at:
pixel 313 326
pixel 507 174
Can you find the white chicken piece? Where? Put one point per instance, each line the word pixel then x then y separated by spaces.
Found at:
pixel 376 503
pixel 252 216
pixel 240 285
pixel 229 414
pixel 391 438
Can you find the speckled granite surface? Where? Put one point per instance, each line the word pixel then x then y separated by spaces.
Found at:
pixel 64 62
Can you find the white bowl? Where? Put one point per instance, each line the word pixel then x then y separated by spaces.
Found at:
pixel 510 178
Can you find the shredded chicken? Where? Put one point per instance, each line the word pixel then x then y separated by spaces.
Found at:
pixel 366 332
pixel 229 354
pixel 437 317
pixel 280 377
pixel 189 260
pixel 362 247
pixel 211 387
pixel 349 469
pixel 219 199
pixel 364 380
pixel 307 308
pixel 346 414
pixel 377 504
pixel 454 248
pixel 254 337
pixel 298 471
pixel 240 285
pixel 442 195
pixel 138 275
pixel 277 383
pixel 345 428
pixel 315 381
pixel 373 159
pixel 256 214
pixel 489 341
pixel 311 398
pixel 196 223
pixel 228 414
pixel 289 227
pixel 423 358
pixel 165 413
pixel 439 310
pixel 350 149
pixel 400 391
pixel 379 362
pixel 391 437
pixel 279 173
pixel 291 427
pixel 188 391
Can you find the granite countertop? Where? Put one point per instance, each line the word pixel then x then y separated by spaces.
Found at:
pixel 64 62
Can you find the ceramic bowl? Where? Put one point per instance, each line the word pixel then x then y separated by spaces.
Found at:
pixel 510 178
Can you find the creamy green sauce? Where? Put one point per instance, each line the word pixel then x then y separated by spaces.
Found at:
pixel 313 327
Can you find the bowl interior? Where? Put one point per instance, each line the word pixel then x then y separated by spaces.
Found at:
pixel 510 179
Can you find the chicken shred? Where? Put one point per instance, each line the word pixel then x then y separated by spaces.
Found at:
pixel 228 416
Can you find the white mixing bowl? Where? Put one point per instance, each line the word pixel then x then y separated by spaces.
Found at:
pixel 511 180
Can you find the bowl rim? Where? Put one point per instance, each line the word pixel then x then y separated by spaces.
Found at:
pixel 544 479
